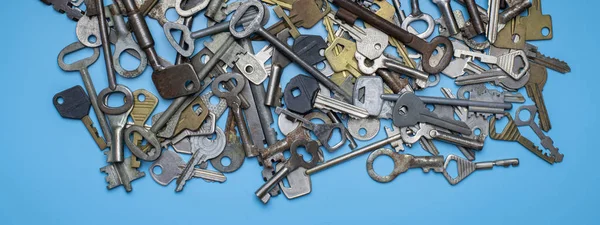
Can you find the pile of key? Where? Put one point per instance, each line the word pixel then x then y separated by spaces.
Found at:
pixel 351 84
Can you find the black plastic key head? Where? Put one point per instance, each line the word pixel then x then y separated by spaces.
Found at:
pixel 72 103
pixel 309 48
pixel 301 102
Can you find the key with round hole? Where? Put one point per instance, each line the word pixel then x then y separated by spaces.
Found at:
pixel 233 101
pixel 82 66
pixel 504 62
pixel 447 13
pixel 534 87
pixel 410 110
pixel 151 135
pixel 256 27
pixel 512 133
pixel 170 81
pixel 431 132
pixel 403 162
pixel 73 103
pixel 466 167
pixel 143 106
pixel 124 43
pixel 536 22
pixel 278 63
pixel 368 66
pixel 233 149
pixel 200 155
pixel 546 141
pixel 295 161
pixel 304 14
pixel 417 15
pixel 171 166
pixel 192 117
pixel 323 132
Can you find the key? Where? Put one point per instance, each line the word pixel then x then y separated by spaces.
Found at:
pixel 193 143
pixel 431 132
pixel 466 168
pixel 403 162
pixel 493 10
pixel 82 66
pixel 367 92
pixel 496 76
pixel 117 124
pixel 511 133
pixel 278 63
pixel 551 63
pixel 546 141
pixel 476 19
pixel 504 62
pixel 391 131
pixel 368 66
pixel 73 103
pixel 410 110
pixel 447 13
pixel 336 119
pixel 340 55
pixel 172 165
pixel 121 173
pixel 299 183
pixel 201 155
pixel 295 161
pixel 143 106
pixel 233 101
pixel 370 42
pixel 322 131
pixel 537 22
pixel 417 15
pixel 291 28
pixel 534 88
pixel 256 27
pixel 67 7
pixel 304 13
pixel 310 97
pixel 446 101
pixel 233 149
pixel 124 42
pixel 192 117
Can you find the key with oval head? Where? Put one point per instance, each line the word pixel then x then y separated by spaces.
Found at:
pixel 255 26
pixel 295 161
pixel 466 167
pixel 117 124
pixel 403 162
pixel 171 165
pixel 547 142
pixel 125 42
pixel 506 61
pixel 410 110
pixel 82 67
pixel 512 133
pixel 73 103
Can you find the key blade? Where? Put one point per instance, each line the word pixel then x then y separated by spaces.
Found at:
pixel 94 132
pixel 323 102
pixel 450 124
pixel 210 176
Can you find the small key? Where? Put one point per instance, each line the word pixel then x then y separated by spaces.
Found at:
pixel 410 110
pixel 547 142
pixel 466 167
pixel 233 149
pixel 368 66
pixel 370 42
pixel 295 161
pixel 496 76
pixel 534 88
pixel 171 165
pixel 493 14
pixel 73 103
pixel 431 132
pixel 340 55
pixel 322 131
pixel 304 13
pixel 403 162
pixel 505 61
pixel 192 117
pixel 511 133
pixel 143 106
pixel 200 156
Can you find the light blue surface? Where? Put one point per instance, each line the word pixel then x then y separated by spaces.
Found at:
pixel 50 166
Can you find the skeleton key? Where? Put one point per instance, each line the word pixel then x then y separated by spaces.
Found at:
pixel 465 167
pixel 547 142
pixel 171 165
pixel 511 133
pixel 322 131
pixel 144 103
pixel 121 173
pixel 403 162
pixel 534 88
pixel 73 103
pixel 536 22
pixel 304 13
pixel 233 149
pixel 506 61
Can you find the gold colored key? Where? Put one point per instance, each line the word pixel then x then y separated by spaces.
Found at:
pixel 286 4
pixel 192 117
pixel 535 22
pixel 534 87
pixel 144 103
pixel 344 60
pixel 293 30
pixel 512 36
pixel 304 13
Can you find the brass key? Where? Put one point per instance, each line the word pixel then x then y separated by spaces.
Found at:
pixel 512 36
pixel 304 13
pixel 511 133
pixel 192 117
pixel 534 87
pixel 286 4
pixel 144 103
pixel 74 103
pixel 344 60
pixel 536 22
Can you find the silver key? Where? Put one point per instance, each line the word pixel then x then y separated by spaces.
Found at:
pixel 496 76
pixel 322 131
pixel 117 124
pixel 403 162
pixel 398 145
pixel 193 143
pixel 367 92
pixel 171 165
pixel 493 14
pixel 431 132
pixel 547 142
pixel 370 42
pixel 551 63
pixel 465 167
pixel 505 61
pixel 368 66
pixel 299 183
pixel 327 103
pixel 200 156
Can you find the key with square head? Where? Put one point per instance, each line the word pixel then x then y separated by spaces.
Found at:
pixel 143 106
pixel 466 167
pixel 512 133
pixel 534 88
pixel 304 13
pixel 323 132
pixel 410 110
pixel 504 62
pixel 171 166
pixel 537 22
pixel 295 161
pixel 546 141
pixel 255 27
pixel 403 162
pixel 73 103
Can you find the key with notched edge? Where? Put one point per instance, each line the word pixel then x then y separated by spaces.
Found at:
pixel 74 103
pixel 304 13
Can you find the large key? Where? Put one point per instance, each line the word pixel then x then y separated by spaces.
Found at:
pixel 295 161
pixel 170 164
pixel 403 162
pixel 466 167
pixel 322 131
pixel 547 142
pixel 73 103
pixel 512 133
pixel 256 27
pixel 506 61
pixel 534 88
pixel 117 125
pixel 431 132
pixel 304 13
pixel 278 63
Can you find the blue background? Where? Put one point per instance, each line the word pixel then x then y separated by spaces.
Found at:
pixel 50 166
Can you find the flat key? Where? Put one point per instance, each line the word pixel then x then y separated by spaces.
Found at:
pixel 304 13
pixel 340 55
pixel 73 103
pixel 512 133
pixel 403 162
pixel 536 22
pixel 192 117
pixel 144 103
pixel 551 63
pixel 200 156
pixel 546 141
pixel 505 61
pixel 466 167
pixel 534 88
pixel 410 110
pixel 172 165
pixel 233 149
pixel 322 131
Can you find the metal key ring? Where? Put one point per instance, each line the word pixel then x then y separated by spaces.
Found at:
pixel 239 81
pixel 399 167
pixel 76 66
pixel 103 100
pixel 532 111
pixel 253 25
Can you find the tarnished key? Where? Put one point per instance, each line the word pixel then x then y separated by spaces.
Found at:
pixel 322 131
pixel 536 22
pixel 73 103
pixel 534 88
pixel 368 66
pixel 512 133
pixel 547 142
pixel 121 173
pixel 505 61
pixel 117 125
pixel 466 167
pixel 370 42
pixel 278 63
pixel 144 103
pixel 171 165
pixel 431 132
pixel 233 149
pixel 403 162
pixel 304 13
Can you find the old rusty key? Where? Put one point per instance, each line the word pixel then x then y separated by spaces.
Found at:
pixel 411 40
